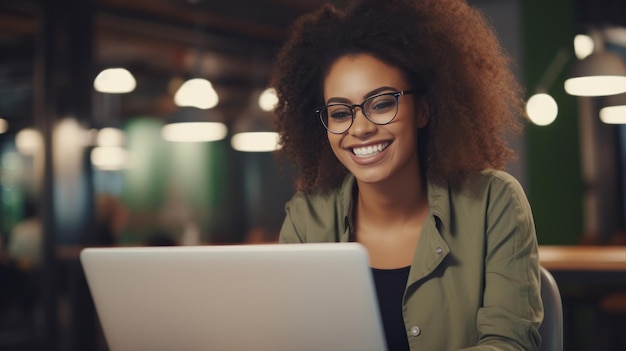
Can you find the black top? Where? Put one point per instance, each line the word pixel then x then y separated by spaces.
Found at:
pixel 390 284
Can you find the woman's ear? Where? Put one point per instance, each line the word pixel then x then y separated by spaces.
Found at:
pixel 422 112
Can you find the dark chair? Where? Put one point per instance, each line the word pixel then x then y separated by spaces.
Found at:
pixel 551 329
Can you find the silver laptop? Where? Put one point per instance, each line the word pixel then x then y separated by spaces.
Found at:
pixel 268 297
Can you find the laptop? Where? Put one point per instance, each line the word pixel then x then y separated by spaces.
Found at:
pixel 265 297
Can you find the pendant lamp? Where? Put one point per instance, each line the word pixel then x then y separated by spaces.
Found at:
pixel 191 124
pixel 602 73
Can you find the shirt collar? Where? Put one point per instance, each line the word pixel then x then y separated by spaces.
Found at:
pixel 438 202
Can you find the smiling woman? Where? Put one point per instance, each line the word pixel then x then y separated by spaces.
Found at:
pixel 396 114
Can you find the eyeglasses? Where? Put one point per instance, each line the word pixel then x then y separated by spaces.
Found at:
pixel 379 109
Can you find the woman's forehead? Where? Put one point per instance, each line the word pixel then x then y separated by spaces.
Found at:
pixel 357 75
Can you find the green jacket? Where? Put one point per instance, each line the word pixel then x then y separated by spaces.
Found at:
pixel 474 280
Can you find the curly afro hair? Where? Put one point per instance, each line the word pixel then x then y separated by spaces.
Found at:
pixel 446 47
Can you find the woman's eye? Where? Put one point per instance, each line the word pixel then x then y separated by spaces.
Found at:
pixel 340 114
pixel 383 104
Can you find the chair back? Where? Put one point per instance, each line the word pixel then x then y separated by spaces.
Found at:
pixel 551 330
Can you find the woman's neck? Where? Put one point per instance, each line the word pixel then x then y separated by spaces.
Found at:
pixel 399 200
pixel 388 219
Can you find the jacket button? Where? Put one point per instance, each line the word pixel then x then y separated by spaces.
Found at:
pixel 415 330
pixel 439 250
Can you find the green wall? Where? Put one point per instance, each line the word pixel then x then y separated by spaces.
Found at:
pixel 555 186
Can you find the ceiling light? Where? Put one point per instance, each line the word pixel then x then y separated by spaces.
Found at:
pixel 268 99
pixel 542 109
pixel 110 136
pixel 114 81
pixel 600 74
pixel 255 133
pixel 109 158
pixel 190 124
pixel 194 131
pixel 4 125
pixel 613 114
pixel 583 46
pixel 196 92
pixel 28 141
pixel 615 110
pixel 255 141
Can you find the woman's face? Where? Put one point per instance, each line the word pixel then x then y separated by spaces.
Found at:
pixel 374 153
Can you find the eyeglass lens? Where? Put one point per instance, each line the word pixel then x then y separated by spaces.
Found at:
pixel 379 109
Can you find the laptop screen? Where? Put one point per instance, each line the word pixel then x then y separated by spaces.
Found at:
pixel 247 297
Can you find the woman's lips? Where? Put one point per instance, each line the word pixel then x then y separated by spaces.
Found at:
pixel 369 150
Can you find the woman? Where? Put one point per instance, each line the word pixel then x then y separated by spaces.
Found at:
pixel 395 113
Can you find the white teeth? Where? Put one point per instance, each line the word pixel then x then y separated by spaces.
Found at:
pixel 368 151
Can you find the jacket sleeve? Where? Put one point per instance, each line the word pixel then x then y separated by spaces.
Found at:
pixel 512 309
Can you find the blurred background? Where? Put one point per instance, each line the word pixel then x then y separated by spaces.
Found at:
pixel 96 96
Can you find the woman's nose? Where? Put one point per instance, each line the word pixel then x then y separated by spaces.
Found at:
pixel 361 126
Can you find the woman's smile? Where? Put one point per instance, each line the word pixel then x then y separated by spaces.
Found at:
pixel 369 150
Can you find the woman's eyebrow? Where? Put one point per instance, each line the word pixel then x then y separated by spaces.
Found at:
pixel 342 100
pixel 339 100
pixel 378 91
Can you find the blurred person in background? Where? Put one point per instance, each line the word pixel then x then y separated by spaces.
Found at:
pixel 111 219
pixel 21 262
pixel 25 241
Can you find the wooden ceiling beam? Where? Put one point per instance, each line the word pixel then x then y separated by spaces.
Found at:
pixel 199 18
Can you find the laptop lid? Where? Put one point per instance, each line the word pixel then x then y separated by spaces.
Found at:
pixel 268 297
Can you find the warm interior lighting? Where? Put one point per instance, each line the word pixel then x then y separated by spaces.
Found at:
pixel 254 132
pixel 191 124
pixel 542 109
pixel 255 141
pixel 600 74
pixel 4 125
pixel 197 93
pixel 109 157
pixel 28 141
pixel 110 137
pixel 268 100
pixel 596 85
pixel 115 81
pixel 583 46
pixel 194 131
pixel 613 114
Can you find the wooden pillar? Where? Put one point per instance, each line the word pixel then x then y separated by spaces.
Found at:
pixel 63 88
pixel 45 115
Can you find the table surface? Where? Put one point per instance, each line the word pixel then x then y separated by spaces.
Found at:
pixel 553 258
pixel 583 258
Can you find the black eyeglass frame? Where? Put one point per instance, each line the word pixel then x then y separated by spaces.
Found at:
pixel 395 94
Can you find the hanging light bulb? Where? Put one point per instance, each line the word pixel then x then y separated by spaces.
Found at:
pixel 110 136
pixel 191 124
pixel 4 125
pixel 615 110
pixel 255 141
pixel 254 132
pixel 613 114
pixel 542 109
pixel 28 141
pixel 194 131
pixel 109 158
pixel 268 100
pixel 196 92
pixel 114 81
pixel 583 46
